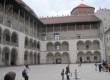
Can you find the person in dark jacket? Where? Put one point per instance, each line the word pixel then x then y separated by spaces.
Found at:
pixel 100 67
pixel 62 74
pixel 68 71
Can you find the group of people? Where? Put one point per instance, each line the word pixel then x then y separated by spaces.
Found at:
pixel 104 66
pixel 12 75
pixel 68 73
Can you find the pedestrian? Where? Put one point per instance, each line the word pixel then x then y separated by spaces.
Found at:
pixel 95 66
pixel 100 67
pixel 75 73
pixel 62 74
pixel 26 71
pixel 109 66
pixel 10 76
pixel 67 71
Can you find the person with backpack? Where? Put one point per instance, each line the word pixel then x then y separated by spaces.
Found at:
pixel 67 72
pixel 62 74
pixel 25 73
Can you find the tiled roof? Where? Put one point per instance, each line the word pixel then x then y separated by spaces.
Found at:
pixel 70 19
pixel 26 7
pixel 83 5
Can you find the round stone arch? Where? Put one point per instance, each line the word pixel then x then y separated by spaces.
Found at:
pixel 14 37
pixel 38 45
pixel 31 43
pixel 6 55
pixel 88 56
pixel 80 45
pixel 26 57
pixel 65 58
pixel 49 46
pixel 26 41
pixel 35 43
pixel 88 45
pixel 31 57
pixel 80 56
pixel 96 45
pixel 14 56
pixel 58 58
pixel 50 58
pixel 97 56
pixel 57 46
pixel 65 46
pixel 35 58
pixel 6 35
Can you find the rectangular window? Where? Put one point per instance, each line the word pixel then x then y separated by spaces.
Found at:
pixel 108 48
pixel 44 36
pixel 56 36
pixel 78 37
pixel 95 57
pixel 88 58
pixel 57 47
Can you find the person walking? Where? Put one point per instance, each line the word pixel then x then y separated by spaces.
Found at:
pixel 109 66
pixel 75 73
pixel 26 71
pixel 68 71
pixel 62 74
pixel 10 76
pixel 100 67
pixel 95 66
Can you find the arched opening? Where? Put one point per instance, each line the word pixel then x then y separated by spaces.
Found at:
pixel 38 58
pixel 89 56
pixel 35 44
pixel 31 57
pixel 97 56
pixel 88 45
pixel 80 57
pixel 26 57
pixel 13 56
pixel 96 45
pixel 58 58
pixel 35 58
pixel 26 42
pixel 65 58
pixel 57 46
pixel 49 46
pixel 80 45
pixel 6 36
pixel 31 43
pixel 65 46
pixel 38 45
pixel 6 55
pixel 14 37
pixel 50 58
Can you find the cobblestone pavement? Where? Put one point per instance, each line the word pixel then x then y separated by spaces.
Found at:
pixel 53 72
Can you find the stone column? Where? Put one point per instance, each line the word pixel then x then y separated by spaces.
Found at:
pixel 24 25
pixel 0 58
pixel 18 19
pixel 11 16
pixel 4 10
pixel 28 61
pixel 1 37
pixel 9 61
pixel 33 58
pixel 29 26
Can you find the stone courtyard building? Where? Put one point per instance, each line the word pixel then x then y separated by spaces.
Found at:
pixel 27 39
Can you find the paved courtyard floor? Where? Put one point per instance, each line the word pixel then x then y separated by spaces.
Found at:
pixel 53 72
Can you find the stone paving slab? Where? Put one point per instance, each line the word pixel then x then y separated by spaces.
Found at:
pixel 53 72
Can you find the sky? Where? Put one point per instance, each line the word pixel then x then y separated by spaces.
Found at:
pixel 44 8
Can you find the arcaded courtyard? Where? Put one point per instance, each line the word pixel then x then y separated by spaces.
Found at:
pixel 53 72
